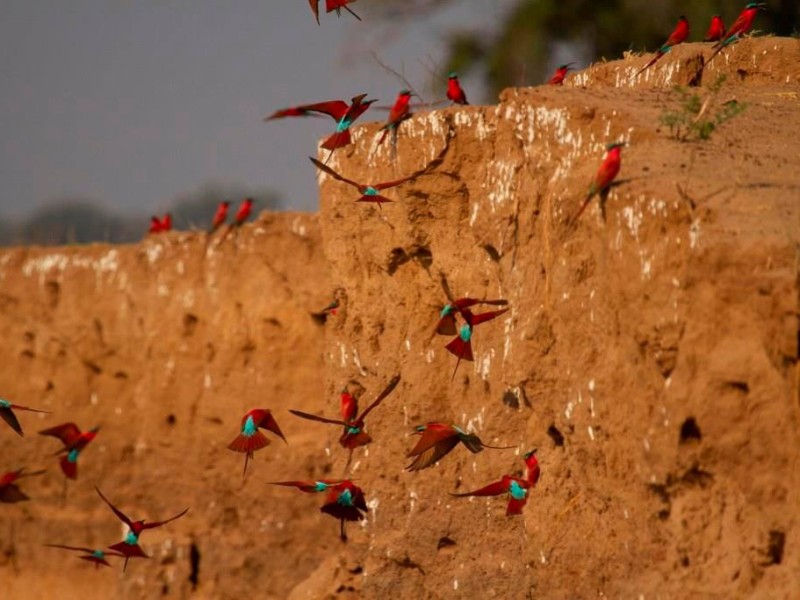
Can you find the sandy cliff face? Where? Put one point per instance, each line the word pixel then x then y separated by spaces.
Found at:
pixel 650 354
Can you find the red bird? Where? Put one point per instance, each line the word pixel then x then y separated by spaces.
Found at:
pixel 516 487
pixel 344 500
pixel 220 216
pixel 438 439
pixel 461 345
pixel 129 547
pixel 344 114
pixel 96 556
pixel 454 91
pixel 74 441
pixel 560 74
pixel 330 6
pixel 9 490
pixel 353 435
pixel 399 113
pixel 245 208
pixel 166 222
pixel 9 417
pixel 372 192
pixel 742 24
pixel 447 318
pixel 155 225
pixel 716 30
pixel 678 35
pixel 605 174
pixel 250 438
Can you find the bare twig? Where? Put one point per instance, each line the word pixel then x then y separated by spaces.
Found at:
pixel 396 74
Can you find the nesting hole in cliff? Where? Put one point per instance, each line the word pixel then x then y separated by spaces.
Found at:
pixel 492 252
pixel 397 258
pixel 445 542
pixel 555 435
pixel 510 398
pixel 120 375
pixel 194 565
pixel 52 291
pixel 690 431
pixel 777 540
pixel 171 420
pixel 92 366
pixel 49 386
pixel 189 324
pixel 739 386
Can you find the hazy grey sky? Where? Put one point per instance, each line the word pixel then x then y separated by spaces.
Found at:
pixel 133 102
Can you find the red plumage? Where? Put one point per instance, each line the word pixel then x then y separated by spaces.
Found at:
pixel 560 74
pixel 716 30
pixel 678 35
pixel 220 215
pixel 455 92
pixel 399 113
pixel 605 174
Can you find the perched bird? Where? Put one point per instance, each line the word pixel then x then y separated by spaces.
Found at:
pixel 330 6
pixel 9 490
pixel 155 225
pixel 74 441
pixel 716 30
pixel 455 93
pixel 353 435
pixel 399 113
pixel 678 35
pixel 438 439
pixel 220 216
pixel 372 192
pixel 605 174
pixel 344 500
pixel 129 547
pixel 166 222
pixel 461 345
pixel 250 438
pixel 9 417
pixel 245 208
pixel 740 27
pixel 96 556
pixel 516 487
pixel 560 74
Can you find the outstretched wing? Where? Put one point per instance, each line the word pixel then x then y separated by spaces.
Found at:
pixel 120 515
pixel 268 422
pixel 314 4
pixel 10 418
pixel 433 454
pixel 160 523
pixel 76 548
pixel 334 174
pixel 493 489
pixel 486 316
pixel 311 417
pixel 68 433
pixel 392 384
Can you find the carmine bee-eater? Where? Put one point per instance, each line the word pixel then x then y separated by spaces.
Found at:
pixel 461 345
pixel 399 113
pixel 447 317
pixel 330 6
pixel 560 74
pixel 74 441
pixel 220 216
pixel 250 438
pixel 166 222
pixel 9 417
pixel 245 208
pixel 344 500
pixel 344 114
pixel 155 225
pixel 742 25
pixel 129 547
pixel 455 93
pixel 438 439
pixel 516 487
pixel 371 192
pixel 716 30
pixel 321 316
pixel 678 35
pixel 605 174
pixel 92 555
pixel 9 490
pixel 353 435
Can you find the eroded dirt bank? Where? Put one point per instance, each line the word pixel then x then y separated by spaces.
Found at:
pixel 650 354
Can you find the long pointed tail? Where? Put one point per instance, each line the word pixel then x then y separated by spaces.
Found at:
pixel 658 55
pixel 350 10
pixel 70 469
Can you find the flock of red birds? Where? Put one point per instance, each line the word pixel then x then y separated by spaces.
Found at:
pixel 344 500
